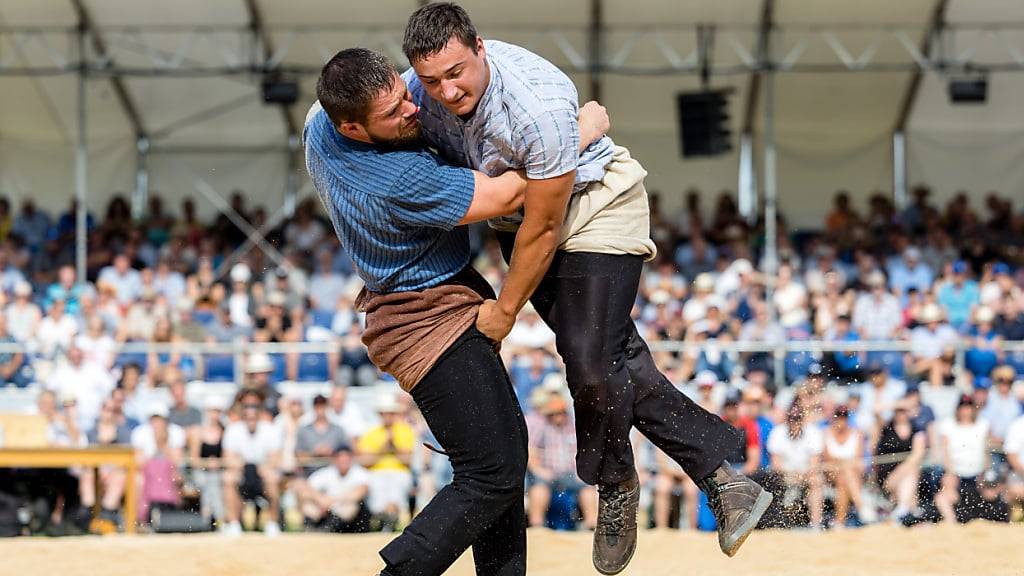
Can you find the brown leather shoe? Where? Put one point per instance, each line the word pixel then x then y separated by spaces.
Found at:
pixel 738 503
pixel 615 535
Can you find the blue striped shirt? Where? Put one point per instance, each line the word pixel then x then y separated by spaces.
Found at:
pixel 396 212
pixel 526 120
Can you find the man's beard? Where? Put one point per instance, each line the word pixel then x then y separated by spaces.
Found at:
pixel 410 137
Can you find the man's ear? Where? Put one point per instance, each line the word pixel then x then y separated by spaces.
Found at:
pixel 352 130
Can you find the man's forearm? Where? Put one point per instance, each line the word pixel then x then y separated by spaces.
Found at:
pixel 534 250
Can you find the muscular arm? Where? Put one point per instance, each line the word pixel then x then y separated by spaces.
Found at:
pixel 535 246
pixel 497 196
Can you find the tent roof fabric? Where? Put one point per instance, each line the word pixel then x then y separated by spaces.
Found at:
pixel 817 114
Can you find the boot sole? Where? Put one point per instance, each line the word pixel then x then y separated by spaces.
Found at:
pixel 764 500
pixel 613 571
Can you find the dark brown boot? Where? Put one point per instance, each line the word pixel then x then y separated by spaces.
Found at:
pixel 615 535
pixel 738 503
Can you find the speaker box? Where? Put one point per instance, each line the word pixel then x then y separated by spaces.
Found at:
pixel 704 123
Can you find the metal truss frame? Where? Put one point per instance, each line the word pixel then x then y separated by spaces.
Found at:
pixel 630 50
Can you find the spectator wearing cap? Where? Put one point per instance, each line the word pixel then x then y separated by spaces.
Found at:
pixel 999 285
pixel 551 467
pixel 929 342
pixel 959 295
pixel 23 316
pixel 159 448
pixel 1003 406
pixel 964 451
pixel 901 438
pixel 705 381
pixel 696 306
pixel 334 498
pixel 796 448
pixel 346 415
pixel 747 455
pixel 258 370
pixel 252 456
pixel 13 369
pixel 984 354
pixel 910 272
pixel 386 451
pixel 126 280
pixel 844 466
pixel 877 314
pixel 320 438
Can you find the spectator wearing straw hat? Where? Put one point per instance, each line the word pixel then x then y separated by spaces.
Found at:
pixel 552 463
pixel 258 370
pixel 386 451
pixel 1003 406
pixel 929 342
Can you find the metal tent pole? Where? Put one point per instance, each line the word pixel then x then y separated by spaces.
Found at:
pixel 81 163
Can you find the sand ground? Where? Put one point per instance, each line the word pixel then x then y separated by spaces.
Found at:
pixel 972 550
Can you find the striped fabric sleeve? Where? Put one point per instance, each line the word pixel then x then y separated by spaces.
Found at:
pixel 431 193
pixel 551 140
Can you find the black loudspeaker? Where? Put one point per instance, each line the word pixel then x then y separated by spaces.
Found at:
pixel 971 91
pixel 280 91
pixel 704 123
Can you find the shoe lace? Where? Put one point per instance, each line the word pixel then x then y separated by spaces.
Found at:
pixel 612 514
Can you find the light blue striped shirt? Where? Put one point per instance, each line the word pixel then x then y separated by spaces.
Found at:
pixel 526 120
pixel 396 212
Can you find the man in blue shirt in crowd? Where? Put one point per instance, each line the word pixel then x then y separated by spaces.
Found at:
pixel 577 253
pixel 398 210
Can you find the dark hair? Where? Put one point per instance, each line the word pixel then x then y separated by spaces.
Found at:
pixel 350 81
pixel 431 27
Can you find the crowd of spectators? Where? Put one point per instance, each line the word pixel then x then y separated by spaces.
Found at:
pixel 924 424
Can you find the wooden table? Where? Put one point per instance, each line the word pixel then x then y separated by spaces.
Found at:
pixel 54 457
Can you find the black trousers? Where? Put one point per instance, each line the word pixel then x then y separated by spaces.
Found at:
pixel 586 298
pixel 468 401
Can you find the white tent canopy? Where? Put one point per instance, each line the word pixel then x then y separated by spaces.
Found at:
pixel 833 127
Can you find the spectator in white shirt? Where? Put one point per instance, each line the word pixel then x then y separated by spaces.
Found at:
pixel 56 332
pixel 252 455
pixel 964 451
pixel 88 383
pixel 877 314
pixel 168 282
pixel 23 316
pixel 530 332
pixel 334 497
pixel 1013 447
pixel 125 280
pixel 796 450
pixel 97 346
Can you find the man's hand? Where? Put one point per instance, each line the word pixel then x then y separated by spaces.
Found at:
pixel 593 123
pixel 494 322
